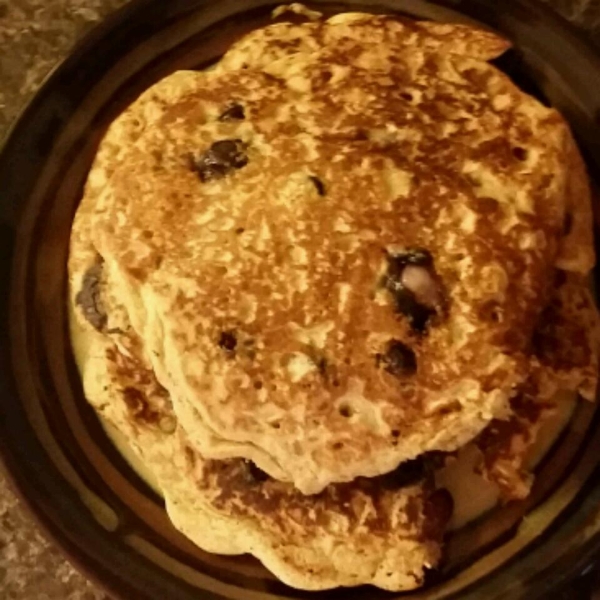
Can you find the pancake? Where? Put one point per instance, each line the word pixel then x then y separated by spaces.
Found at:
pixel 279 314
pixel 384 531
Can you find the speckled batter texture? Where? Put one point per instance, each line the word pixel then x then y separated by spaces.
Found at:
pixel 34 35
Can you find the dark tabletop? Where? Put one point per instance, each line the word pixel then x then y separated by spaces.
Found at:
pixel 34 36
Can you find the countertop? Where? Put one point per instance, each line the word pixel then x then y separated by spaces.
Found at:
pixel 34 36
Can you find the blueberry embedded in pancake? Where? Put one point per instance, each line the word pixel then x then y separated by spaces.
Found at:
pixel 221 158
pixel 399 359
pixel 234 112
pixel 415 287
pixel 89 297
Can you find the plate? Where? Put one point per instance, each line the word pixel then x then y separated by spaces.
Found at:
pixel 81 491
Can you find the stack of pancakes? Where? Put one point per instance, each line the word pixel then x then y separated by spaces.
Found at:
pixel 301 282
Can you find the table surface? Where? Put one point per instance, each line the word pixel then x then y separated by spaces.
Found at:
pixel 34 36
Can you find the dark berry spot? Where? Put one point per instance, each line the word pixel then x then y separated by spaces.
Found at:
pixel 258 385
pixel 395 433
pixel 417 314
pixel 405 299
pixel 89 298
pixel 240 230
pixel 338 445
pixel 228 340
pixel 319 185
pixel 398 359
pixel 346 411
pixel 520 153
pixel 406 96
pixel 234 112
pixel 220 159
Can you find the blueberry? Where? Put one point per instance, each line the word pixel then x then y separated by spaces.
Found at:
pixel 220 159
pixel 319 185
pixel 234 112
pixel 89 298
pixel 398 359
pixel 418 315
pixel 228 341
pixel 405 300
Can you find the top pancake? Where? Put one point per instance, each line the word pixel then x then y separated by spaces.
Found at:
pixel 265 273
